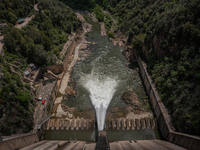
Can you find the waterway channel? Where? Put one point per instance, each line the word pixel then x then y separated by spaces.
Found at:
pixel 103 77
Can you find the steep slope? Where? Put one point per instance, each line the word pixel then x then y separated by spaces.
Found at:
pixel 40 42
pixel 166 35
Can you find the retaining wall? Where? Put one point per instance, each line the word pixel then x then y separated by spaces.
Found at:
pixel 39 89
pixel 163 119
pixel 1 49
pixel 19 142
pixel 24 140
pixel 69 52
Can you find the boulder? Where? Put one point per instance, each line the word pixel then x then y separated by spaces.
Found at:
pixel 131 98
pixel 69 109
pixel 70 91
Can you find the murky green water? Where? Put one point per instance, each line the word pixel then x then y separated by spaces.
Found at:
pixel 106 61
pixel 90 135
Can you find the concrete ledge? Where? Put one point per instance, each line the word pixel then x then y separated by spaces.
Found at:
pixel 19 142
pixel 69 51
pixel 1 49
pixel 163 118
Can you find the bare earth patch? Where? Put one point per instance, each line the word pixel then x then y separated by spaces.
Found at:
pixel 103 30
pixel 87 26
pixel 92 15
pixel 79 16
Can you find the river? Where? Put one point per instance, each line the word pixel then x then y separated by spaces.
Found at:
pixel 100 81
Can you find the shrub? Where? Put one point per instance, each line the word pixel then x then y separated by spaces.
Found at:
pixel 99 13
pixel 5 129
pixel 110 34
pixel 27 85
pixel 85 16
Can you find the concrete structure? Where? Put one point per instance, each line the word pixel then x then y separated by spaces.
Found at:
pixel 19 142
pixel 68 45
pixel 102 141
pixel 70 49
pixel 27 74
pixel 1 45
pixel 118 145
pixel 163 119
pixel 1 49
pixel 2 25
pixel 70 124
pixel 21 20
pixel 48 92
pixel 86 124
pixel 32 66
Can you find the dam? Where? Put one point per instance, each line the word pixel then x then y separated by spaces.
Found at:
pixel 100 81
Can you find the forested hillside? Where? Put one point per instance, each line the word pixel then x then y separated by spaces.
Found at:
pixel 166 35
pixel 40 42
pixel 12 10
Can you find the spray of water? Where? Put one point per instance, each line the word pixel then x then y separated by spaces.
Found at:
pixel 102 89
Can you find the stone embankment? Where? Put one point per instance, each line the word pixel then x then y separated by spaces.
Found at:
pixel 67 45
pixel 1 45
pixel 86 124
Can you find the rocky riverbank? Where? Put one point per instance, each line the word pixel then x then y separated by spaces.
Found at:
pixel 81 53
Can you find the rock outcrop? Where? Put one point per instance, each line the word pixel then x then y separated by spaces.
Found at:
pixel 131 98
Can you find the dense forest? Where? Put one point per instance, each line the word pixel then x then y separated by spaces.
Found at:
pixel 40 42
pixel 166 36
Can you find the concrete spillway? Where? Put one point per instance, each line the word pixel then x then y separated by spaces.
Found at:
pixel 118 124
pixel 120 145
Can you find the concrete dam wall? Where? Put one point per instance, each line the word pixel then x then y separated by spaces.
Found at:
pixel 163 118
pixel 19 142
pixel 85 124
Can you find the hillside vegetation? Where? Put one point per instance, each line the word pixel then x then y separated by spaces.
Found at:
pixel 12 10
pixel 40 42
pixel 166 35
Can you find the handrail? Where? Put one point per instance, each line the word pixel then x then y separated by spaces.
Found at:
pixel 39 126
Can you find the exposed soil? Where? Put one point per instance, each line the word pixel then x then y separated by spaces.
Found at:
pixel 79 16
pixel 103 29
pixel 92 15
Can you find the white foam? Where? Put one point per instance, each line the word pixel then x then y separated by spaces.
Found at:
pixel 102 89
